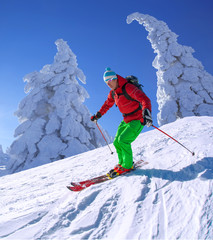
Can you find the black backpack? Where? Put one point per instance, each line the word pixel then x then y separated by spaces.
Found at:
pixel 133 80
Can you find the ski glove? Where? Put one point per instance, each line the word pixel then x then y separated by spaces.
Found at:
pixel 96 116
pixel 147 118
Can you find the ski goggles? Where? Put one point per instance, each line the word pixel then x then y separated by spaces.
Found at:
pixel 110 80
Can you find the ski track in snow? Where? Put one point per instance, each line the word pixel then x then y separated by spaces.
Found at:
pixel 170 198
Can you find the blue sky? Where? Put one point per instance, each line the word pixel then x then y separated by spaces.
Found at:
pixel 97 32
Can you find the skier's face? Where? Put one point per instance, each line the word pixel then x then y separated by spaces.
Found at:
pixel 113 84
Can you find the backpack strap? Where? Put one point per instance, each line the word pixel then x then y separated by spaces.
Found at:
pixel 113 95
pixel 127 96
pixel 127 114
pixel 131 99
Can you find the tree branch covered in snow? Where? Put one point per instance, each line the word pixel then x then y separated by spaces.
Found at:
pixel 184 87
pixel 55 123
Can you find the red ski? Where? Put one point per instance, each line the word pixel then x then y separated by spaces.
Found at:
pixel 78 186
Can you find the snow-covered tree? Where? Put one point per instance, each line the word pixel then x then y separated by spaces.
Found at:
pixel 54 121
pixel 4 160
pixel 184 87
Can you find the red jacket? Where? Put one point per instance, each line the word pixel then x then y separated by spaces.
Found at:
pixel 127 106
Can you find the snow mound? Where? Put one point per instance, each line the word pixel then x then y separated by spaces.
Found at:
pixel 170 198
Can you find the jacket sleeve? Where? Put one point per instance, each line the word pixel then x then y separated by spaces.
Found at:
pixel 107 104
pixel 140 96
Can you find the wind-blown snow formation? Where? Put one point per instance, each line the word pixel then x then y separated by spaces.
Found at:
pixel 54 121
pixel 184 87
pixel 170 198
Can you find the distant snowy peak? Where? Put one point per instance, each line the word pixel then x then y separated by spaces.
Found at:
pixel 184 87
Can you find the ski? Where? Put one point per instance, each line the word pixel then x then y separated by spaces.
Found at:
pixel 78 186
pixel 96 179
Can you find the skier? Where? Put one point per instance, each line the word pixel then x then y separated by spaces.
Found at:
pixel 136 114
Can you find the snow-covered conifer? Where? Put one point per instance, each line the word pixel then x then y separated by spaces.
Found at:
pixel 55 123
pixel 184 88
pixel 4 160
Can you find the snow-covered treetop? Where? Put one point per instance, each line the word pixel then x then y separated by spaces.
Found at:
pixel 184 87
pixel 64 60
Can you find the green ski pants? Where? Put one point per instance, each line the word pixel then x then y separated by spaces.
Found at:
pixel 126 134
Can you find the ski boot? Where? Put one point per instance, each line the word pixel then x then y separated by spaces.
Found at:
pixel 118 170
pixel 111 174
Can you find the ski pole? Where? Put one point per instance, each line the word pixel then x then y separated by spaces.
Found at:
pixel 103 137
pixel 174 140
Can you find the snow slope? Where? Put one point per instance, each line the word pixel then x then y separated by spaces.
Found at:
pixel 170 198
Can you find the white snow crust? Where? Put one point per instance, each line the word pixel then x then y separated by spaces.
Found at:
pixel 170 198
pixel 184 88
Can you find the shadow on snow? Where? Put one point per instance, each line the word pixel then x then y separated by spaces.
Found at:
pixel 203 167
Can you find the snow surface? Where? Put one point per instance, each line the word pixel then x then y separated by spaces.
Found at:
pixel 184 87
pixel 170 198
